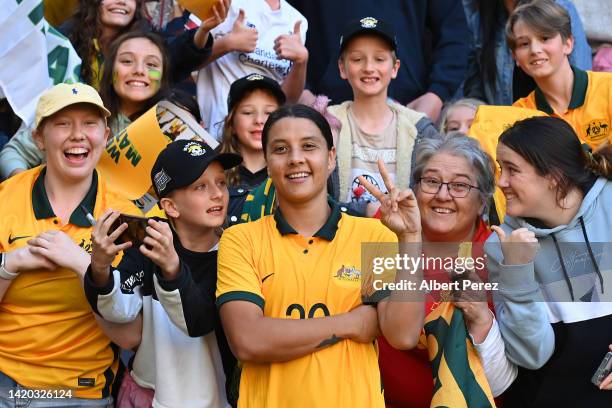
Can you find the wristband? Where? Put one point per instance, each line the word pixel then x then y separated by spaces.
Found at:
pixel 4 274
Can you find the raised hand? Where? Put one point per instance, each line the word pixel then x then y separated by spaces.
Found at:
pixel 290 47
pixel 399 210
pixel 103 246
pixel 161 248
pixel 242 38
pixel 220 10
pixel 518 248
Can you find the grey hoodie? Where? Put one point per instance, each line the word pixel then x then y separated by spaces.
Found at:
pixel 544 331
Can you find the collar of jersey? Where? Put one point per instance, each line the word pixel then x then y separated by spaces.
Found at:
pixel 327 231
pixel 42 207
pixel 581 82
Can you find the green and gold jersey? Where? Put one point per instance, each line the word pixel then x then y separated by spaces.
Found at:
pixel 590 107
pixel 292 277
pixel 49 338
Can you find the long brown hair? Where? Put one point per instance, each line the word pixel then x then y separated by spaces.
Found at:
pixel 552 147
pixel 86 27
pixel 107 90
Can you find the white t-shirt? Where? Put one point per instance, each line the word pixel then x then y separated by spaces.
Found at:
pixel 215 79
pixel 367 148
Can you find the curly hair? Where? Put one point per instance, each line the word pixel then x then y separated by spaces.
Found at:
pixel 86 27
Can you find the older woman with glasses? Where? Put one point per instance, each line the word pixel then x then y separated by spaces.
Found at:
pixel 453 182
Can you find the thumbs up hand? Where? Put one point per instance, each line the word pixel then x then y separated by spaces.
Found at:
pixel 289 46
pixel 242 37
pixel 518 248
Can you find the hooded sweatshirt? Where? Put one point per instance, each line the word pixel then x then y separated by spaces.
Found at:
pixel 558 343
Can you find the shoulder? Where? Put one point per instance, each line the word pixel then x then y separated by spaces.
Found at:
pixel 526 102
pixel 18 184
pixel 407 115
pixel 599 77
pixel 367 229
pixel 289 11
pixel 245 231
pixel 340 110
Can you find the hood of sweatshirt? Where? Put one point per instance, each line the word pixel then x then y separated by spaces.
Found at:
pixel 574 261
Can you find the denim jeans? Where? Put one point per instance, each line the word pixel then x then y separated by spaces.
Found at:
pixel 13 395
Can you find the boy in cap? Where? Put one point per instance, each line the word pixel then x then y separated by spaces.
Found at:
pixel 171 280
pixel 373 126
pixel 49 339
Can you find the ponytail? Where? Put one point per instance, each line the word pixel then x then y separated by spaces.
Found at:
pixel 600 162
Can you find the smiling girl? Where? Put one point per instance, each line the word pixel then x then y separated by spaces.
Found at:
pixel 550 260
pixel 96 24
pixel 540 37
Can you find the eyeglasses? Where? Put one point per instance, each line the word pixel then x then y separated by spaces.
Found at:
pixel 455 189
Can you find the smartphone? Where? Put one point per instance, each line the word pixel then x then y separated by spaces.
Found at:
pixel 604 369
pixel 135 232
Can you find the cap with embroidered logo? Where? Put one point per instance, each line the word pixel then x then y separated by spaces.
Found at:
pixel 63 95
pixel 251 82
pixel 183 161
pixel 368 25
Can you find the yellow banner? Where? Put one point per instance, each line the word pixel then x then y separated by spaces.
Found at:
pixel 201 8
pixel 488 125
pixel 128 158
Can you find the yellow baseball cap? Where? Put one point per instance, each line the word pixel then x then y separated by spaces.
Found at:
pixel 63 95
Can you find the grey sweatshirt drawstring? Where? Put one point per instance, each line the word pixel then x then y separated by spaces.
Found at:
pixel 597 271
pixel 588 244
pixel 567 279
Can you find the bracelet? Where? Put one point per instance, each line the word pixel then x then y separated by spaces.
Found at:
pixel 4 274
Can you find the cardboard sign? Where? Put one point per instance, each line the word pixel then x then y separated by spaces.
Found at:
pixel 129 156
pixel 201 8
pixel 489 123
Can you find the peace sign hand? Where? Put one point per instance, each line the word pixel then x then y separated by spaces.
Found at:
pixel 399 210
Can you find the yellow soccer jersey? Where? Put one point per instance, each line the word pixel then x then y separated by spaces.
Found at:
pixel 590 108
pixel 292 277
pixel 49 338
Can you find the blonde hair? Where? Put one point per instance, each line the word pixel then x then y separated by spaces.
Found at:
pixel 472 103
pixel 545 17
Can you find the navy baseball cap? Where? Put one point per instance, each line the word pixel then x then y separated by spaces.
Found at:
pixel 183 161
pixel 368 25
pixel 250 82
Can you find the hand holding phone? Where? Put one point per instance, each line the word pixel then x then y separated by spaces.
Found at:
pixel 135 231
pixel 603 371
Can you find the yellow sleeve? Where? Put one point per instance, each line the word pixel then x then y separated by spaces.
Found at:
pixel 237 275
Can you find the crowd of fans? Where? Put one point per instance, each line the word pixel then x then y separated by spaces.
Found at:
pixel 344 136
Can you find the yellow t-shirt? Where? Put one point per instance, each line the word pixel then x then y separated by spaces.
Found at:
pixel 590 108
pixel 291 277
pixel 49 338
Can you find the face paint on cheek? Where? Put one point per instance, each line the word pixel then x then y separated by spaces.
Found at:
pixel 155 76
pixel 115 77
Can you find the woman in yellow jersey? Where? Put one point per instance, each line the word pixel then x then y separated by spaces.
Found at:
pixel 290 284
pixel 49 339
pixel 540 37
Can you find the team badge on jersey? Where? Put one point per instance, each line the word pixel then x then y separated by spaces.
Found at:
pixel 348 274
pixel 597 129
